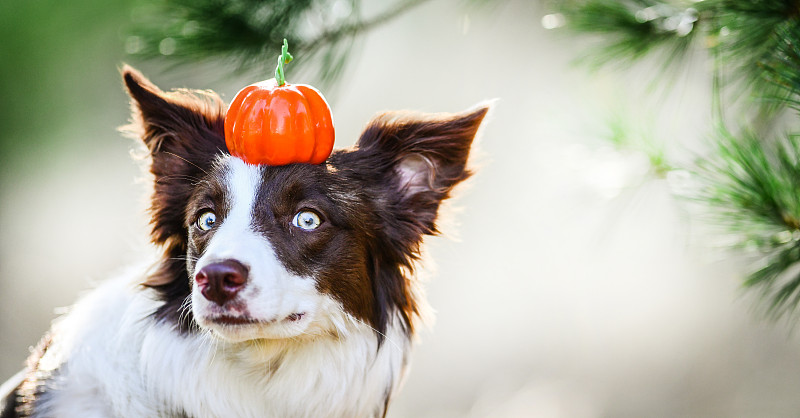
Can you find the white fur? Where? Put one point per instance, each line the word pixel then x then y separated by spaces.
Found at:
pixel 114 360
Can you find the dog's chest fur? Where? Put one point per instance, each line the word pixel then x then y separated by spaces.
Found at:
pixel 109 358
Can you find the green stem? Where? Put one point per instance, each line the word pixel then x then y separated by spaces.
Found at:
pixel 284 58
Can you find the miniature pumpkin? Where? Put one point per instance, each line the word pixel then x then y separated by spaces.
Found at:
pixel 276 123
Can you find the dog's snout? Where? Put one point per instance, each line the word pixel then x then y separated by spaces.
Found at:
pixel 220 282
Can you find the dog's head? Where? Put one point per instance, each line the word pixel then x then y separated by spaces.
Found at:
pixel 256 252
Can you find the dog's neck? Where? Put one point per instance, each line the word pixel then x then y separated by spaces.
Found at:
pixel 290 377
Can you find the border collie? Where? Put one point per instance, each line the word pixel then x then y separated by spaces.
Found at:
pixel 279 291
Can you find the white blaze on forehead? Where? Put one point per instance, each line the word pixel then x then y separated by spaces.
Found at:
pixel 242 180
pixel 235 238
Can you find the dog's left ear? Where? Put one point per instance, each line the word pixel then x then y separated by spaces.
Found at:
pixel 183 132
pixel 417 159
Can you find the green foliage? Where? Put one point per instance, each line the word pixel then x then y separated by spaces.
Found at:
pixel 245 33
pixel 784 69
pixel 743 36
pixel 751 183
pixel 752 188
pixel 629 30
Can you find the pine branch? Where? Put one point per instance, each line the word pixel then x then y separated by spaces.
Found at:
pixel 743 36
pixel 247 32
pixel 629 30
pixel 776 280
pixel 783 70
pixel 751 184
pixel 751 187
pixel 354 29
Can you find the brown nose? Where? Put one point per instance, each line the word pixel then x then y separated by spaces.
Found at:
pixel 220 282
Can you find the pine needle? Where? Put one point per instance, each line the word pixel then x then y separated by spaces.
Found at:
pixel 247 33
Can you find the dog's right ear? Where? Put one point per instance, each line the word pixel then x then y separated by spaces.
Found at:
pixel 183 130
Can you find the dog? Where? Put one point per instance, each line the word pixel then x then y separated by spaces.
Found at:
pixel 279 291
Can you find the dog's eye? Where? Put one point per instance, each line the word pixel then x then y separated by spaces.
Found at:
pixel 206 220
pixel 307 220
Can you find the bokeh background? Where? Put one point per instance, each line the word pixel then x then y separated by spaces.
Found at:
pixel 569 283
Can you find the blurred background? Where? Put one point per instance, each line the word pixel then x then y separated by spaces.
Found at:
pixel 569 282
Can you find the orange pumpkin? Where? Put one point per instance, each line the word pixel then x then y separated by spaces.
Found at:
pixel 279 124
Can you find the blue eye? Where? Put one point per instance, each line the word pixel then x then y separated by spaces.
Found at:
pixel 306 220
pixel 206 220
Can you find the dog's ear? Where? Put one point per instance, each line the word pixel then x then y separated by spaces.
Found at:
pixel 183 131
pixel 416 160
pixel 405 165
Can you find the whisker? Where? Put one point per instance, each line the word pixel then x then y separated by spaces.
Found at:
pixel 185 258
pixel 386 337
pixel 184 159
pixel 184 309
pixel 192 179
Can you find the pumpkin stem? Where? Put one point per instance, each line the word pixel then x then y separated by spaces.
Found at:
pixel 284 58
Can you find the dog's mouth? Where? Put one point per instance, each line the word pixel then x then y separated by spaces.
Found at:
pixel 246 320
pixel 235 320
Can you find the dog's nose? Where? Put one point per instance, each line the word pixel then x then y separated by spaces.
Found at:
pixel 220 282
